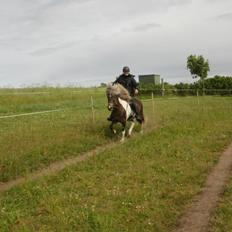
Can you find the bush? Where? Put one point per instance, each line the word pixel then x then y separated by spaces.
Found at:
pixel 218 85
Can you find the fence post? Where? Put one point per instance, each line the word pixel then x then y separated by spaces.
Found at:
pixel 153 103
pixel 198 97
pixel 93 111
pixel 163 90
pixel 203 90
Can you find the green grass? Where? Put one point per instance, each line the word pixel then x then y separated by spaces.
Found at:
pixel 142 185
pixel 222 220
pixel 26 101
pixel 32 142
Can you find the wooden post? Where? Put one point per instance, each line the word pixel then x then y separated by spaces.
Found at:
pixel 153 103
pixel 93 111
pixel 163 90
pixel 198 97
pixel 203 90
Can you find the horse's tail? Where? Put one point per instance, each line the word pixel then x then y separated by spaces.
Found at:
pixel 142 114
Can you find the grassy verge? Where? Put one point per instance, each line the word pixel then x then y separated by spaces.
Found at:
pixel 142 185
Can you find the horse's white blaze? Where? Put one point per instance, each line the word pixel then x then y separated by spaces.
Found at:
pixel 126 107
pixel 131 128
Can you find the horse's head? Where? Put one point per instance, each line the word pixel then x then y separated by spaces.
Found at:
pixel 112 95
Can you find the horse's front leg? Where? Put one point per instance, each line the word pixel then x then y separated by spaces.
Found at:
pixel 131 128
pixel 123 132
pixel 112 128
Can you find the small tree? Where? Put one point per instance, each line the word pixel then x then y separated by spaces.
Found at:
pixel 198 67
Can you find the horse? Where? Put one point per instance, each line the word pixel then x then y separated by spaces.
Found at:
pixel 119 103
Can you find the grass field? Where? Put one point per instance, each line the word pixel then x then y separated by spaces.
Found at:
pixel 30 100
pixel 141 185
pixel 31 142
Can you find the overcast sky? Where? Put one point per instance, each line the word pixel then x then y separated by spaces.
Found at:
pixel 88 41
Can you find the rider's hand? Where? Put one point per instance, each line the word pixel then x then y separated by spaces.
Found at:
pixel 136 92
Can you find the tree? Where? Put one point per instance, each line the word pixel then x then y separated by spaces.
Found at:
pixel 198 67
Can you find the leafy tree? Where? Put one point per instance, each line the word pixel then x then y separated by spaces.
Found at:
pixel 182 88
pixel 198 66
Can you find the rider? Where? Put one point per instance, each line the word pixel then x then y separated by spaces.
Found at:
pixel 128 82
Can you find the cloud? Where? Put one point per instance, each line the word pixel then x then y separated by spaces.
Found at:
pixel 226 16
pixel 146 27
pixel 78 40
pixel 217 1
pixel 53 49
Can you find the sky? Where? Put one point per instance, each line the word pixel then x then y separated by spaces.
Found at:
pixel 86 42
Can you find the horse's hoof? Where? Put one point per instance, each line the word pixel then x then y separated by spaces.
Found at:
pixel 122 140
pixel 141 132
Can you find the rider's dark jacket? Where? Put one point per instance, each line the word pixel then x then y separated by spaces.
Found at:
pixel 128 82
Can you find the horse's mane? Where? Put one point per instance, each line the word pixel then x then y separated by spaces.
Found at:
pixel 118 90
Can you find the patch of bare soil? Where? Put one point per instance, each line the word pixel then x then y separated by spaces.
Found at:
pixel 197 216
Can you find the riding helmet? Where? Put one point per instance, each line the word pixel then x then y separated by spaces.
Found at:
pixel 126 69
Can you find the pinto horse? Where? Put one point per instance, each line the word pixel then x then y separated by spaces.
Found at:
pixel 119 103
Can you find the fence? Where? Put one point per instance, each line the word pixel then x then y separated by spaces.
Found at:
pixel 186 92
pixel 90 101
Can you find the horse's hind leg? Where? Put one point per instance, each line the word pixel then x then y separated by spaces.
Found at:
pixel 141 130
pixel 142 121
pixel 112 128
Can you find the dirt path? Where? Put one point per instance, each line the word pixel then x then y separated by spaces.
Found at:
pixel 197 217
pixel 55 167
pixel 60 165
